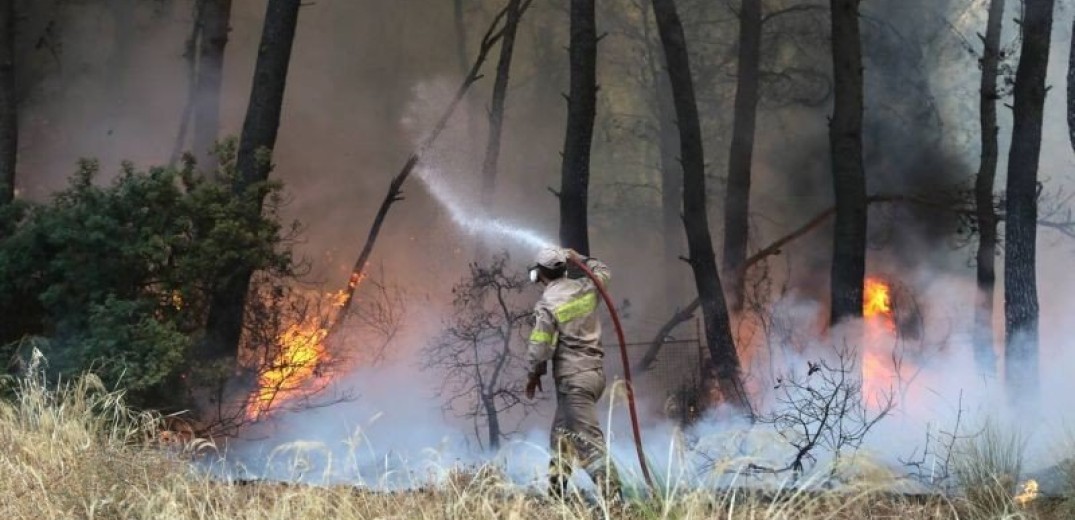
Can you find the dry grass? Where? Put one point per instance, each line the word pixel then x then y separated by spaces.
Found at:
pixel 77 452
pixel 987 467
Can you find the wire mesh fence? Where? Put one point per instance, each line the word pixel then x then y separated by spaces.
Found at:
pixel 672 384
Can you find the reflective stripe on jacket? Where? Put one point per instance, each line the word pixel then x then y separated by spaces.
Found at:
pixel 566 328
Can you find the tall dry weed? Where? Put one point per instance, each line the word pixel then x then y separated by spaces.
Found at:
pixel 74 450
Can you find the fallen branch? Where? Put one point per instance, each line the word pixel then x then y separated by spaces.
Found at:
pixel 395 193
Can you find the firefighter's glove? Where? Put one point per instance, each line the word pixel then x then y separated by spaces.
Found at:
pixel 533 382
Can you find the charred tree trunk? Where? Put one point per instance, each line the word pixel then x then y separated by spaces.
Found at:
pixel 983 192
pixel 9 120
pixel 214 18
pixel 496 110
pixel 1071 89
pixel 848 174
pixel 1021 212
pixel 267 95
pixel 702 259
pixel 225 322
pixel 737 197
pixel 581 110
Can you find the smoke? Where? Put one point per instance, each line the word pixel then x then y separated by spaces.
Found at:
pixel 353 115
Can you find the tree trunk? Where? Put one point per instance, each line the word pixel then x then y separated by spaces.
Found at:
pixel 725 359
pixel 9 121
pixel 496 110
pixel 214 18
pixel 267 95
pixel 774 248
pixel 668 164
pixel 1021 212
pixel 1071 89
pixel 671 190
pixel 581 109
pixel 848 174
pixel 983 192
pixel 492 420
pixel 460 36
pixel 469 110
pixel 119 58
pixel 225 322
pixel 737 196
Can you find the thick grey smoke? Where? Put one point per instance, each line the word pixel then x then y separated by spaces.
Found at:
pixel 369 76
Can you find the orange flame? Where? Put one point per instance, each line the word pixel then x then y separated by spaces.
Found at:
pixel 878 372
pixel 298 360
pixel 297 367
pixel 877 299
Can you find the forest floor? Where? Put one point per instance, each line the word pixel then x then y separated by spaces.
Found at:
pixel 78 452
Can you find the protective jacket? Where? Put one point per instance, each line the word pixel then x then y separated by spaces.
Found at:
pixel 566 328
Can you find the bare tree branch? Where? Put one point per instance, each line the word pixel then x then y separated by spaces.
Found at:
pixel 483 373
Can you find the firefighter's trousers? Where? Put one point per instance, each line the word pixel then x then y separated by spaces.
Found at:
pixel 576 434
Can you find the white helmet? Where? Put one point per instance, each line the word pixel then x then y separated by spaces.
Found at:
pixel 550 258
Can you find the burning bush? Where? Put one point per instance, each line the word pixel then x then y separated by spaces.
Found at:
pixel 117 278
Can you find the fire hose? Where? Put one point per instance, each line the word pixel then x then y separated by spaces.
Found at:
pixel 626 367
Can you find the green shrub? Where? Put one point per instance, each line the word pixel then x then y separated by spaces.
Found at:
pixel 118 277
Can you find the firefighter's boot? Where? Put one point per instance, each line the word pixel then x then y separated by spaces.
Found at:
pixel 608 487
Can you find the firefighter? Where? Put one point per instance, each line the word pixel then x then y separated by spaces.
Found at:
pixel 568 333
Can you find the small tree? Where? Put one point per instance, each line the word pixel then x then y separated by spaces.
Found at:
pixel 483 372
pixel 825 410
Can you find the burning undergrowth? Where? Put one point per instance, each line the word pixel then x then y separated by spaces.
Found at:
pixel 308 339
pixel 894 405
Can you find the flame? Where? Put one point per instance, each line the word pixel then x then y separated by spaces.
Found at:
pixel 339 299
pixel 877 299
pixel 298 361
pixel 176 300
pixel 878 373
pixel 355 280
pixel 297 367
pixel 1028 494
